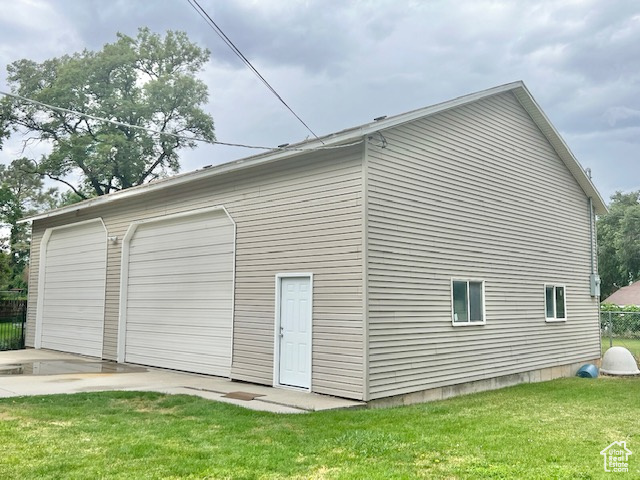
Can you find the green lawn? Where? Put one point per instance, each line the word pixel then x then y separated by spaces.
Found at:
pixel 631 344
pixel 10 336
pixel 547 430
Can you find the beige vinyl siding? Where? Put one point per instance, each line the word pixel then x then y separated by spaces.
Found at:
pixel 297 215
pixel 474 192
pixel 37 232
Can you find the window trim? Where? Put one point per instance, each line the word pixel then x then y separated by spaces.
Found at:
pixel 554 319
pixel 484 303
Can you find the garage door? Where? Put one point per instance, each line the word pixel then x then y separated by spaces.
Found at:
pixel 179 298
pixel 72 288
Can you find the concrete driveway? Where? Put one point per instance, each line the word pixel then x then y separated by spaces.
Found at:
pixel 44 372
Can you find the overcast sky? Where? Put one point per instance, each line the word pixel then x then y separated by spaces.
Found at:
pixel 341 63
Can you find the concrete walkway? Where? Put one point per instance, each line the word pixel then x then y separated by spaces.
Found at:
pixel 44 372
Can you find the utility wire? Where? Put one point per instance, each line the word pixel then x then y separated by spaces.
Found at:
pixel 207 18
pixel 171 134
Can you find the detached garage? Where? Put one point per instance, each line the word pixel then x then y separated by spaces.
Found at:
pixel 177 292
pixel 407 256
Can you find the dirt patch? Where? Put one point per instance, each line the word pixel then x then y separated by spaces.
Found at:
pixel 144 405
pixel 6 416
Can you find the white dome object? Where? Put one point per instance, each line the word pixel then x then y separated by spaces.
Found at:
pixel 619 361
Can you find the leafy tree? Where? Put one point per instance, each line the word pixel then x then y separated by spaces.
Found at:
pixel 619 242
pixel 4 126
pixel 148 81
pixel 68 197
pixel 610 307
pixel 22 193
pixel 5 272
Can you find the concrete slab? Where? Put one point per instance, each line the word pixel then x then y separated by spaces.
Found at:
pixel 44 372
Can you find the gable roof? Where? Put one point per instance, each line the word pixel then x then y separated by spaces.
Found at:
pixel 358 134
pixel 629 295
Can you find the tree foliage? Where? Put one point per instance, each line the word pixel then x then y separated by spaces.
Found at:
pixel 610 307
pixel 619 242
pixel 21 194
pixel 148 81
pixel 4 122
pixel 6 276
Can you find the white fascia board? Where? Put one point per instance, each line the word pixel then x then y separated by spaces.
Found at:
pixel 562 149
pixel 334 139
pixel 437 108
pixel 165 183
pixel 351 135
pixel 201 174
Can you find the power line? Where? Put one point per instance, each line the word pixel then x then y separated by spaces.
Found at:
pixel 207 18
pixel 171 134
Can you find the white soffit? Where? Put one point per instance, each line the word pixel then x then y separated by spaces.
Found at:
pixel 345 136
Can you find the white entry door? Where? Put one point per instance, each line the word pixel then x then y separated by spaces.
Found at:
pixel 295 331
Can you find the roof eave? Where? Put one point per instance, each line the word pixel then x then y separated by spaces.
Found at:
pixel 201 174
pixel 288 152
pixel 562 149
pixel 519 89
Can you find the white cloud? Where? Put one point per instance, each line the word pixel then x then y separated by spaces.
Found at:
pixel 616 115
pixel 339 64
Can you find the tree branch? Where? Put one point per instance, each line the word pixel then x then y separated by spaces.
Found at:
pixel 75 190
pixel 108 187
pixel 163 156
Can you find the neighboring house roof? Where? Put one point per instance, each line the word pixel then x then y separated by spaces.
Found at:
pixel 358 133
pixel 629 295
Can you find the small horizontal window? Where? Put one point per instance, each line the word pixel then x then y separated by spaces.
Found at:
pixel 468 302
pixel 555 303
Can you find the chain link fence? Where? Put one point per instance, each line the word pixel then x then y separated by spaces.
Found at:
pixel 621 329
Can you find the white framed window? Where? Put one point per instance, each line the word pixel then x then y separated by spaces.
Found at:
pixel 555 303
pixel 467 302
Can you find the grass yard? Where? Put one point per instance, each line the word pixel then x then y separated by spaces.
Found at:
pixel 10 335
pixel 546 430
pixel 631 344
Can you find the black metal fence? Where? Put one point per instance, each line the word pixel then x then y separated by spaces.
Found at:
pixel 13 316
pixel 621 329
